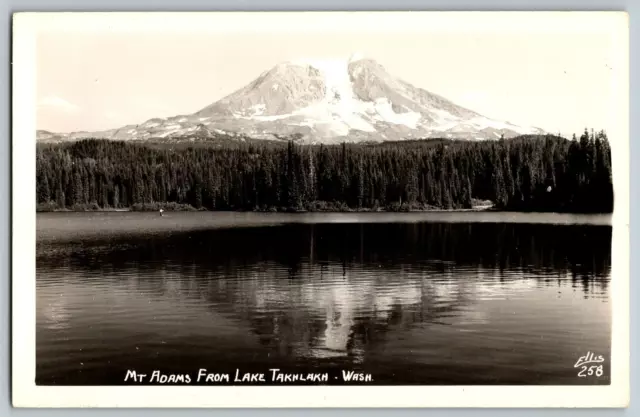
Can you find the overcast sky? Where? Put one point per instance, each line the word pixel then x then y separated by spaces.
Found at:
pixel 100 73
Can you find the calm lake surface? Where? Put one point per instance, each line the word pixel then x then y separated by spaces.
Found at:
pixel 414 298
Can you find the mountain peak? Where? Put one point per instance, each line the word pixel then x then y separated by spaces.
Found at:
pixel 356 56
pixel 327 64
pixel 331 100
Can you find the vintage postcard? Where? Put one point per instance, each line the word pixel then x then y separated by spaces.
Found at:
pixel 321 209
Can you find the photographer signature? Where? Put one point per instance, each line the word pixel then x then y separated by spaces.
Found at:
pixel 590 357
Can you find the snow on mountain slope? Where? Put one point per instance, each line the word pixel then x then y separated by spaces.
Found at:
pixel 327 101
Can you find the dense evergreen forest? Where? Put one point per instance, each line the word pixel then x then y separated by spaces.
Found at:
pixel 529 173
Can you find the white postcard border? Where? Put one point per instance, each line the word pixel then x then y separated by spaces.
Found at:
pixel 27 394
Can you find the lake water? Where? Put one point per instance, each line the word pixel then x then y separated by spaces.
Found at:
pixel 415 298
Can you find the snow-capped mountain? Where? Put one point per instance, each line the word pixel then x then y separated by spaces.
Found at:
pixel 331 101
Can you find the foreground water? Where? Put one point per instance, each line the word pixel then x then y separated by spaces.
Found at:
pixel 417 298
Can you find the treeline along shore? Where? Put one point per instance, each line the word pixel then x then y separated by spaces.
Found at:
pixel 528 173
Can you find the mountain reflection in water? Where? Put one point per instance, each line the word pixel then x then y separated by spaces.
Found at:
pixel 411 303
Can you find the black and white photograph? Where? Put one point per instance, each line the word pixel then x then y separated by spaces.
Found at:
pixel 240 203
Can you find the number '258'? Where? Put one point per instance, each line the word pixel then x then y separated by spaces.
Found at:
pixel 586 371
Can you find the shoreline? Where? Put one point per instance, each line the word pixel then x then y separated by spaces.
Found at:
pixel 318 207
pixel 480 209
pixel 272 211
